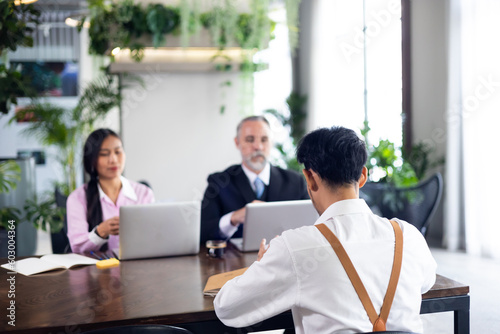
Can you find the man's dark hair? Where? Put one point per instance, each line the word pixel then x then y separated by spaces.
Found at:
pixel 337 155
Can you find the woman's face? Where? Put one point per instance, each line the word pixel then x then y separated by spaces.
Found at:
pixel 111 158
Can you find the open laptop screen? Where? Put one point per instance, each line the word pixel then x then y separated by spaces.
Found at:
pixel 269 219
pixel 159 229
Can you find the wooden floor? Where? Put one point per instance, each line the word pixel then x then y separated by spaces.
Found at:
pixel 482 275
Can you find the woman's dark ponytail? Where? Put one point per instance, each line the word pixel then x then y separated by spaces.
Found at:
pixel 90 156
pixel 94 209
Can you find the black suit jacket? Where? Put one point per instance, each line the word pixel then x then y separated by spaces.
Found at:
pixel 230 190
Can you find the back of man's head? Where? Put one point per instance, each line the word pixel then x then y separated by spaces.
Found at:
pixel 337 155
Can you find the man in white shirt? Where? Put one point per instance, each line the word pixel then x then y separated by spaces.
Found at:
pixel 300 271
pixel 255 179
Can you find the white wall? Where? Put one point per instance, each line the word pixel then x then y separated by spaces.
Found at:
pixel 174 135
pixel 429 85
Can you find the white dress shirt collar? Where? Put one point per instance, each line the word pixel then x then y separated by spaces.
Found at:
pixel 126 190
pixel 345 207
pixel 264 175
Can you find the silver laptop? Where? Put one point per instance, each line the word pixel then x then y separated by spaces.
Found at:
pixel 158 230
pixel 267 220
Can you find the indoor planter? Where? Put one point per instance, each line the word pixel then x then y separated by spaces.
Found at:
pixel 9 176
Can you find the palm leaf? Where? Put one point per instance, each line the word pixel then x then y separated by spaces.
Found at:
pixel 98 97
pixel 10 174
pixel 48 125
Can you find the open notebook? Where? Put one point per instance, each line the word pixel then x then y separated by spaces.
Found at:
pixel 34 265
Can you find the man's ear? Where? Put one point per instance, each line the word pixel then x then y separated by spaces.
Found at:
pixel 236 142
pixel 363 178
pixel 311 179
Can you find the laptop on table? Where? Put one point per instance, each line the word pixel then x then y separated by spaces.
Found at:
pixel 269 219
pixel 159 230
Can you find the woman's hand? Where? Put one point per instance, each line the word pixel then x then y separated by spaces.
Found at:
pixel 109 227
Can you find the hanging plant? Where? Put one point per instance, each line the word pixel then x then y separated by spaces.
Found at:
pixel 190 22
pixel 123 22
pixel 161 20
pixel 221 21
pixel 292 20
pixel 16 25
pixel 100 27
pixel 133 19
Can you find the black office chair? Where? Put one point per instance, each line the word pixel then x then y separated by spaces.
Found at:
pixel 416 204
pixel 60 241
pixel 139 329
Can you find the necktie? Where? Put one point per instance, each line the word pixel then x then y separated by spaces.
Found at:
pixel 259 187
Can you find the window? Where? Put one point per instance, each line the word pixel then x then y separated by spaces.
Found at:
pixel 354 71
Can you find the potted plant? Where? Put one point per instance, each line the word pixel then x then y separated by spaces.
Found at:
pixel 295 122
pixel 394 175
pixel 10 174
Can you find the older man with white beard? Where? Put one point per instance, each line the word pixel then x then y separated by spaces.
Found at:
pixel 228 192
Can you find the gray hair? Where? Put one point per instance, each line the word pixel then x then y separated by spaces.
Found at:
pixel 251 119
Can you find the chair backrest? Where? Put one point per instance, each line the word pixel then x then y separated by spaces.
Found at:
pixel 60 198
pixel 139 329
pixel 416 204
pixel 62 241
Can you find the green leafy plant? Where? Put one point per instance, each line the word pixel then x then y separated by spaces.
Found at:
pixel 45 214
pixel 190 22
pixel 420 158
pixel 385 159
pixel 295 122
pixel 394 169
pixel 161 20
pixel 221 22
pixel 10 174
pixel 292 18
pixel 8 214
pixel 121 23
pixel 16 26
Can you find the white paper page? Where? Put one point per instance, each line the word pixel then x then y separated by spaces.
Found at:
pixel 32 266
pixel 68 260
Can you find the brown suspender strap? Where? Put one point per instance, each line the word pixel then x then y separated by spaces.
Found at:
pixel 377 321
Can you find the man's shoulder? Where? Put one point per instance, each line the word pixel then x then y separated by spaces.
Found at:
pixel 225 175
pixel 305 238
pixel 229 171
pixel 287 173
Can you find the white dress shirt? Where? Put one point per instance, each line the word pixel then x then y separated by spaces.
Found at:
pixel 225 225
pixel 300 271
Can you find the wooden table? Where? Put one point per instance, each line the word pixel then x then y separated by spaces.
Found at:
pixel 157 291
